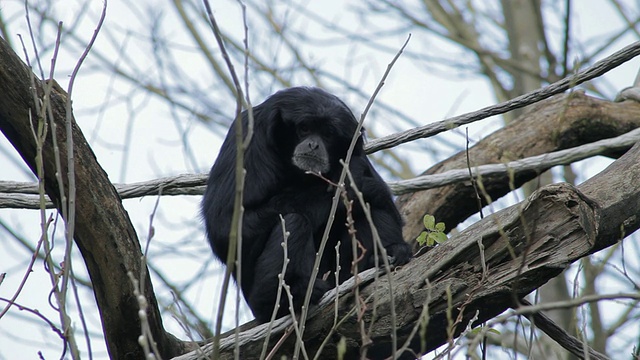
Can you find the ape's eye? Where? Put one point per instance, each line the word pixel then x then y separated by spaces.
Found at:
pixel 304 129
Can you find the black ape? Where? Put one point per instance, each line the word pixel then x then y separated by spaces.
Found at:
pixel 296 131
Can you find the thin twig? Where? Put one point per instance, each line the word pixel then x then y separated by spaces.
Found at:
pixel 235 234
pixel 562 337
pixel 336 197
pixel 38 314
pixel 378 244
pixel 565 304
pixel 281 284
pixel 140 285
pixel 28 271
pixel 71 181
pixel 245 146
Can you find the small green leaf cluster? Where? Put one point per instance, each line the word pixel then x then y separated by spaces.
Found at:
pixel 434 232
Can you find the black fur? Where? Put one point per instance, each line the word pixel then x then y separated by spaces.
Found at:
pixel 297 130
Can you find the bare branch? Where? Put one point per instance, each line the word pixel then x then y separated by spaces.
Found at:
pixel 18 194
pixel 538 164
pixel 598 69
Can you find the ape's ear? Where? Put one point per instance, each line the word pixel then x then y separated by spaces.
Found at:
pixel 272 119
pixel 266 118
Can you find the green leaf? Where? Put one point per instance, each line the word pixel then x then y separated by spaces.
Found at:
pixel 432 239
pixel 439 237
pixel 429 222
pixel 440 227
pixel 342 347
pixel 422 238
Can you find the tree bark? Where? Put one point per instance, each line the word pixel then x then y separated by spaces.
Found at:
pixel 103 232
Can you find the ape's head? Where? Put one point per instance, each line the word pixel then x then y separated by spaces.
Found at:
pixel 312 128
pixel 295 131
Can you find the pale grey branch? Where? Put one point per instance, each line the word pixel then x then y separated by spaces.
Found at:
pixel 567 83
pixel 21 195
pixel 539 163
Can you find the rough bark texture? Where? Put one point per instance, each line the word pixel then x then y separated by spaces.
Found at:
pixel 103 232
pixel 561 122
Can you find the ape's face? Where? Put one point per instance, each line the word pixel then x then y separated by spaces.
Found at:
pixel 311 152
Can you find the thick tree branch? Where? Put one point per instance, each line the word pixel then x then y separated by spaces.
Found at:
pixel 103 232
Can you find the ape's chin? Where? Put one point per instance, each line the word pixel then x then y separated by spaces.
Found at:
pixel 311 164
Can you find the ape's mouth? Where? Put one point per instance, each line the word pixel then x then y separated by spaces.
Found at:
pixel 310 162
